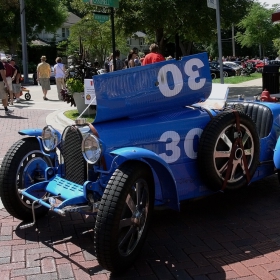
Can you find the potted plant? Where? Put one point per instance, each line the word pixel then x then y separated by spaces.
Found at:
pixel 75 88
pixel 74 85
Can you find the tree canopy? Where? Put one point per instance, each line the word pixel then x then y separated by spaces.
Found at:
pixel 96 38
pixel 40 15
pixel 257 27
pixel 192 20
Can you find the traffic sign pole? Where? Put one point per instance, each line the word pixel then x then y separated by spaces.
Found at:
pixel 113 37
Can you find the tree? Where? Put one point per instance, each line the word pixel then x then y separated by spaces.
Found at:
pixel 258 28
pixel 96 39
pixel 40 15
pixel 191 19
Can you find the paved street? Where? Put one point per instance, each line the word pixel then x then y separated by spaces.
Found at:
pixel 224 236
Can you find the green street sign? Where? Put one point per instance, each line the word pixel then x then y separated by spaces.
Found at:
pixel 101 18
pixel 104 3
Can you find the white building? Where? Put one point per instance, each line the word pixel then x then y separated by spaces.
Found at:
pixel 137 40
pixel 61 33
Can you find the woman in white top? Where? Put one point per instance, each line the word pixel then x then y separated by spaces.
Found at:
pixel 59 72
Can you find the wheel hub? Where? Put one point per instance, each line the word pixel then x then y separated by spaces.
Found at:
pixel 238 153
pixel 138 217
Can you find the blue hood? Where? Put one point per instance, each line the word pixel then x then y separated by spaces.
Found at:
pixel 152 88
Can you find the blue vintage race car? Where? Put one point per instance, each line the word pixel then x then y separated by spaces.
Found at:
pixel 156 140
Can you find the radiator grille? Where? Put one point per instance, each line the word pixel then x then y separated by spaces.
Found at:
pixel 74 162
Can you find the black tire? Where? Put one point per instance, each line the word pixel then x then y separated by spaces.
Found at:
pixel 17 171
pixel 215 148
pixel 213 76
pixel 114 218
pixel 225 74
pixel 27 96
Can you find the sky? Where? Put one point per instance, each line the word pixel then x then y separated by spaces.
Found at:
pixel 270 2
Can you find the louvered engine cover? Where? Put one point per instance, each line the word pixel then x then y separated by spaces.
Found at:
pixel 74 162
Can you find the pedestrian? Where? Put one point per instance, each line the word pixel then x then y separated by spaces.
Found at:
pixel 131 59
pixel 59 73
pixel 16 81
pixel 43 76
pixel 10 70
pixel 3 93
pixel 107 65
pixel 119 62
pixel 154 55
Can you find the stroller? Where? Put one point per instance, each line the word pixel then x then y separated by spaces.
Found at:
pixel 24 91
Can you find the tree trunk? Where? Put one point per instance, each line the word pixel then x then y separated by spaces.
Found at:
pixel 186 48
pixel 160 40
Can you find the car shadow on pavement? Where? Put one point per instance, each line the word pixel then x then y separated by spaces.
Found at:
pixel 222 236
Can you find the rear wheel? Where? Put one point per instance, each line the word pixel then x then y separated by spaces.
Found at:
pixel 23 165
pixel 124 216
pixel 215 148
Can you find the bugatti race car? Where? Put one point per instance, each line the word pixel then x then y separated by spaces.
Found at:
pixel 161 135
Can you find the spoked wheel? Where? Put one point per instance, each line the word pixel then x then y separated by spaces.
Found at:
pixel 124 216
pixel 27 96
pixel 215 148
pixel 23 165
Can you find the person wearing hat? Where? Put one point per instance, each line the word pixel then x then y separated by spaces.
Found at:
pixel 43 76
pixel 10 70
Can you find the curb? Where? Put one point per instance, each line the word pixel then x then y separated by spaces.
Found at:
pixel 57 120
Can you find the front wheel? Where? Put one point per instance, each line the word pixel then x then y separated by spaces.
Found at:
pixel 213 76
pixel 124 216
pixel 23 165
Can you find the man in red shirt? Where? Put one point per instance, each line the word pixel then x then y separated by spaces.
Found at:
pixel 153 56
pixel 10 70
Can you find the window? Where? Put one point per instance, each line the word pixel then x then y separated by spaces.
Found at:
pixel 63 32
pixel 141 41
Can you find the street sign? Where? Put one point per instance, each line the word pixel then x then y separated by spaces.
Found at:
pixel 212 4
pixel 104 3
pixel 101 18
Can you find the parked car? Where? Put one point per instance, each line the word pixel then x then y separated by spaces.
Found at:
pixel 228 71
pixel 52 78
pixel 233 65
pixel 274 62
pixel 215 73
pixel 237 67
pixel 161 135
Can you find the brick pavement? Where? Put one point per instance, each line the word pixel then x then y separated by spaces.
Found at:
pixel 224 236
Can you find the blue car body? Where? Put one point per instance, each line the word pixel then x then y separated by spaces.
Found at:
pixel 151 115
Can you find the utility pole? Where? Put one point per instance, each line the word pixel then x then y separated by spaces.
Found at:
pixel 23 42
pixel 233 40
pixel 219 41
pixel 214 4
